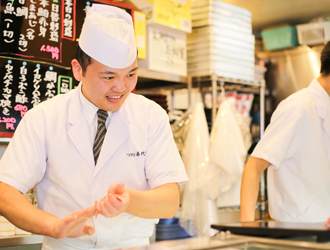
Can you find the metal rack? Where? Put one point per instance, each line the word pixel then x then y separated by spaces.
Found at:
pixel 152 80
pixel 257 86
pixel 245 85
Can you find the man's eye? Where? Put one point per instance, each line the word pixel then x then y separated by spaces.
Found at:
pixel 108 78
pixel 131 75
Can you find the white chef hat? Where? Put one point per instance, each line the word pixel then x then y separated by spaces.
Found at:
pixel 108 36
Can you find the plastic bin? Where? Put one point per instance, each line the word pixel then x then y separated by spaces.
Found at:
pixel 313 33
pixel 280 38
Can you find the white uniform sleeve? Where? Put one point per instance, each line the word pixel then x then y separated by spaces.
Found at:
pixel 163 161
pixel 283 134
pixel 24 162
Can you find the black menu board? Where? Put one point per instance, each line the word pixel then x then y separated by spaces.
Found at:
pixel 38 40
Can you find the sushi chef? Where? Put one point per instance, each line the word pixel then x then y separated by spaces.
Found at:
pixel 296 150
pixel 103 160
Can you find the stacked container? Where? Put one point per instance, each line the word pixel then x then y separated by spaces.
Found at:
pixel 221 41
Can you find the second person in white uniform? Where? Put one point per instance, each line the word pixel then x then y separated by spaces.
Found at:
pixel 296 150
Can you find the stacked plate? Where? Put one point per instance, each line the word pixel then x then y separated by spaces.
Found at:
pixel 221 41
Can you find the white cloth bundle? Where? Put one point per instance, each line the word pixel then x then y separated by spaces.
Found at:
pixel 227 154
pixel 198 211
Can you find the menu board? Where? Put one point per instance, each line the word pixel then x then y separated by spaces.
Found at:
pixel 38 40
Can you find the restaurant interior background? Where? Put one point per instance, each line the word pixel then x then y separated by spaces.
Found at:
pixel 284 63
pixel 254 80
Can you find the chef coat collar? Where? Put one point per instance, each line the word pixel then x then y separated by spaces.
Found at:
pixel 321 98
pixel 322 103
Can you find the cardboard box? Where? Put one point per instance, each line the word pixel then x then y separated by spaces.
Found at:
pixel 166 51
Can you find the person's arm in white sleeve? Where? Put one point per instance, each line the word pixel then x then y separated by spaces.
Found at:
pixel 160 202
pixel 250 187
pixel 19 211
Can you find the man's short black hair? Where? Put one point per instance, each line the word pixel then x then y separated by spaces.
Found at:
pixel 325 60
pixel 83 59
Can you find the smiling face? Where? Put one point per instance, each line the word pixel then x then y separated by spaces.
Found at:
pixel 107 88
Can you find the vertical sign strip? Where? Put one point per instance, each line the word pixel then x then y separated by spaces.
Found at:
pixel 69 19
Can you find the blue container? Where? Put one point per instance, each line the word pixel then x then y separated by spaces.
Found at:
pixel 280 38
pixel 170 229
pixel 171 221
pixel 256 117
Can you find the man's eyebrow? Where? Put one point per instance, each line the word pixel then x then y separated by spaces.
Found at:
pixel 136 68
pixel 107 72
pixel 114 73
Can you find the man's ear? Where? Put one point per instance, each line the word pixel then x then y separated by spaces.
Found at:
pixel 76 70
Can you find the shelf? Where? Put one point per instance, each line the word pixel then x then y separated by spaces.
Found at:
pixel 156 75
pixel 238 88
pixel 209 78
pixel 4 140
pixel 149 79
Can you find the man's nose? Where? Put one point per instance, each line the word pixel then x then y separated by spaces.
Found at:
pixel 120 85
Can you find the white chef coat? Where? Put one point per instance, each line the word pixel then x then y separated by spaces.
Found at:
pixel 297 144
pixel 52 149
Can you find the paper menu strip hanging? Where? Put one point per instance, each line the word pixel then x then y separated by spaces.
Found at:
pixel 140 28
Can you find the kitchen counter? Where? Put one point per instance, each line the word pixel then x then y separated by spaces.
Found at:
pixel 222 241
pixel 225 241
pixel 20 240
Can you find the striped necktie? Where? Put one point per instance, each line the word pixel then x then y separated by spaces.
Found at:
pixel 100 134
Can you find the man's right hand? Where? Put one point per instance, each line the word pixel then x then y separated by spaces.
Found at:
pixel 74 225
pixel 19 211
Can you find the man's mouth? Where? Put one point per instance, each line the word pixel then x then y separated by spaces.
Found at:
pixel 114 97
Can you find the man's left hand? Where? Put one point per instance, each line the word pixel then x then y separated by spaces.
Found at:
pixel 115 202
